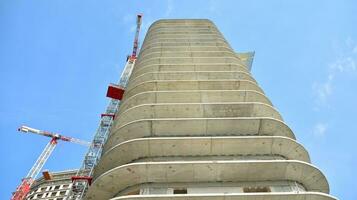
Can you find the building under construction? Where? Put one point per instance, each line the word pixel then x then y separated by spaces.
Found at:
pixel 194 124
pixel 186 121
pixel 52 186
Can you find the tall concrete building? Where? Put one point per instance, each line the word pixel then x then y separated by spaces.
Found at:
pixel 194 124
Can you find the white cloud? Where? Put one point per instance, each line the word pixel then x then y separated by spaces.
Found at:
pixel 355 50
pixel 349 41
pixel 320 129
pixel 344 64
pixel 213 6
pixel 128 18
pixel 169 8
pixel 323 91
pixel 132 28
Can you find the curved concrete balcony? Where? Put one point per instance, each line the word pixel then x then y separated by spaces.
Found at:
pixel 181 53
pixel 232 148
pixel 189 67
pixel 197 110
pixel 187 30
pixel 196 25
pixel 211 35
pixel 173 44
pixel 183 40
pixel 236 196
pixel 224 53
pixel 195 127
pixel 189 85
pixel 190 75
pixel 203 25
pixel 186 36
pixel 172 32
pixel 183 49
pixel 198 96
pixel 185 43
pixel 187 60
pixel 158 33
pixel 111 182
pixel 181 21
pixel 182 24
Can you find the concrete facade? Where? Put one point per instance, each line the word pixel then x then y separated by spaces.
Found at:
pixel 194 124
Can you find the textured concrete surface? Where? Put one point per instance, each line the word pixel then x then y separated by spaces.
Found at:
pixel 198 127
pixel 189 67
pixel 189 75
pixel 232 148
pixel 191 85
pixel 197 110
pixel 208 171
pixel 191 96
pixel 256 196
pixel 193 115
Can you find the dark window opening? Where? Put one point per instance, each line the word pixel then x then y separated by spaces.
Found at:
pixel 256 189
pixel 180 191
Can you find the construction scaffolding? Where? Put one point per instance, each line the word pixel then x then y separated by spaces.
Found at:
pixel 83 178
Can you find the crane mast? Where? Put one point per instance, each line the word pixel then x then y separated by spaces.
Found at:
pixel 40 162
pixel 23 189
pixel 136 39
pixel 25 186
pixel 83 179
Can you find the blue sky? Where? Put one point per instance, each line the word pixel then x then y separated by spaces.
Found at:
pixel 57 58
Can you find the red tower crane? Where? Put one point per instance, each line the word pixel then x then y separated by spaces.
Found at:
pixel 26 182
pixel 132 57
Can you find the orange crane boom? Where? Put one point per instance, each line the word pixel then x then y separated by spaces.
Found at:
pixel 25 186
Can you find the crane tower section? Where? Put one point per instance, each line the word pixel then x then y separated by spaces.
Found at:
pixel 83 178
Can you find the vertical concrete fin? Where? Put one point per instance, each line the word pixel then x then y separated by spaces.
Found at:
pixel 247 58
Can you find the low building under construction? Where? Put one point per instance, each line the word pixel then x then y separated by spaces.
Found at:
pixel 52 186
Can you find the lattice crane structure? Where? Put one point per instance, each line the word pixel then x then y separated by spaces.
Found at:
pixel 83 178
pixel 23 189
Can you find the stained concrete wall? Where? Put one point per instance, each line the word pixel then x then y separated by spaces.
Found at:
pixel 192 114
